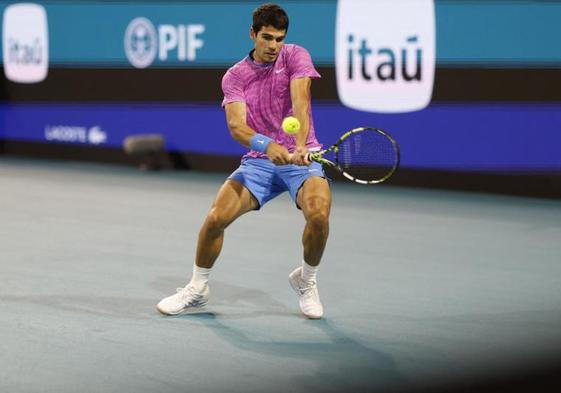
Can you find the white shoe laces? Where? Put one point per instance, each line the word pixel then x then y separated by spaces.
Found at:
pixel 308 289
pixel 188 293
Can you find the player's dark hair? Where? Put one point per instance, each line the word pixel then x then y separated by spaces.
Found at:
pixel 269 15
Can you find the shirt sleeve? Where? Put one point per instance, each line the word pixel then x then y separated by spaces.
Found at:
pixel 232 88
pixel 300 64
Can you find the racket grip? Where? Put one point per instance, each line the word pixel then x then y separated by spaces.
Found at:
pixel 308 157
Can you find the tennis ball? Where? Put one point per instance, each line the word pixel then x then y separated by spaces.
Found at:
pixel 291 125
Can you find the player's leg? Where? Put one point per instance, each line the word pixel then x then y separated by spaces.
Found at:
pixel 314 198
pixel 232 201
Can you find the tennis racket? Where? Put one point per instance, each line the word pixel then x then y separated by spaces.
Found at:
pixel 363 155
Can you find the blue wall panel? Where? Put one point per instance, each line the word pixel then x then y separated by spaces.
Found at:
pixel 463 137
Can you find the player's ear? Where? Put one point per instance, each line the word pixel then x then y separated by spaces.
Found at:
pixel 252 33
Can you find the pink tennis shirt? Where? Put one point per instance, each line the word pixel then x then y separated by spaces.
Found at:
pixel 265 90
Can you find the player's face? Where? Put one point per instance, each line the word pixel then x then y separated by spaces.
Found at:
pixel 268 43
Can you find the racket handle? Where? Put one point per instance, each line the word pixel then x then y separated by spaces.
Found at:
pixel 308 157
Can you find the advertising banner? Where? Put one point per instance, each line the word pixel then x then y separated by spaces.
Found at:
pixel 385 54
pixel 215 33
pixel 446 137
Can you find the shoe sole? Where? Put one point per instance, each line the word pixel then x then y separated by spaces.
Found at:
pixel 183 311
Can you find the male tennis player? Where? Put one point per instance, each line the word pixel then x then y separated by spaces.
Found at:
pixel 269 84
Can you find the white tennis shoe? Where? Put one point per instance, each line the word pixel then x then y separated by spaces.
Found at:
pixel 309 295
pixel 186 299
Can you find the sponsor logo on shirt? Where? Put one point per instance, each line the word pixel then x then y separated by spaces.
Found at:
pixel 25 41
pixel 144 42
pixel 385 54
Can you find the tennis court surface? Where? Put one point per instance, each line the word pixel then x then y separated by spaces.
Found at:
pixel 422 289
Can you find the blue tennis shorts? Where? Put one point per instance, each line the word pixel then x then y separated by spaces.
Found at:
pixel 266 180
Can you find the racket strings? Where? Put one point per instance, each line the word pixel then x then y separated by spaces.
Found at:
pixel 368 155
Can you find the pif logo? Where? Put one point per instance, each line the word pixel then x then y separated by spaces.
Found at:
pixel 143 41
pixel 385 54
pixel 140 42
pixel 25 43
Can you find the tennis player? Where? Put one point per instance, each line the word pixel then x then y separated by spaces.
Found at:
pixel 269 84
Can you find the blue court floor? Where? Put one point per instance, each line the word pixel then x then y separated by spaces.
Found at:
pixel 419 287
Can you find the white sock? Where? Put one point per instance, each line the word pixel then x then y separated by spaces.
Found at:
pixel 309 272
pixel 200 277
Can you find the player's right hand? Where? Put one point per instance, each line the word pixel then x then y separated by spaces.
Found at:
pixel 278 154
pixel 300 157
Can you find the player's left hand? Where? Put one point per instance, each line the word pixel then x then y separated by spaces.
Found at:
pixel 299 157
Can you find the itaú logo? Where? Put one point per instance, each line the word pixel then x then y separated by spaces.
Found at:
pixel 25 41
pixel 385 54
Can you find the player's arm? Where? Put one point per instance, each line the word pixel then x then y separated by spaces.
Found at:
pixel 236 116
pixel 300 94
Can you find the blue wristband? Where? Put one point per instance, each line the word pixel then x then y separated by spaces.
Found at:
pixel 259 142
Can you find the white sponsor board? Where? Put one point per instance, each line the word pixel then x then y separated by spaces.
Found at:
pixel 25 41
pixel 385 54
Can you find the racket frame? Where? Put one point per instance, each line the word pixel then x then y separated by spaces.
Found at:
pixel 318 156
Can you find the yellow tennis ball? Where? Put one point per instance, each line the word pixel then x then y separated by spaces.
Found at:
pixel 291 125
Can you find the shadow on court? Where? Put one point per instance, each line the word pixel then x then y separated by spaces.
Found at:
pixel 342 363
pixel 246 320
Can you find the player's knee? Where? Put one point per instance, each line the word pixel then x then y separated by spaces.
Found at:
pixel 216 220
pixel 316 210
pixel 319 219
